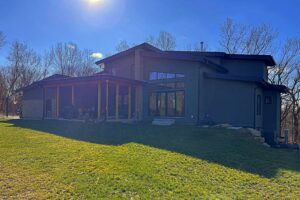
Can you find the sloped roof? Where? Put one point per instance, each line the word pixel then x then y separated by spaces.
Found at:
pixel 67 79
pixel 190 55
pixel 267 59
pixel 129 51
pixel 55 77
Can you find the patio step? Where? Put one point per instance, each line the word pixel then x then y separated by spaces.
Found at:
pixel 163 122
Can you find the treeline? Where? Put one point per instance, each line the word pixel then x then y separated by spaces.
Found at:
pixel 24 65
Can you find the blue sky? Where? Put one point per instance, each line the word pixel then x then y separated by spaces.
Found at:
pixel 100 26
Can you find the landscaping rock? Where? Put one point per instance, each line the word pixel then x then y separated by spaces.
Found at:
pixel 163 122
pixel 243 131
pixel 234 128
pixel 254 132
pixel 222 125
pixel 205 126
pixel 265 144
pixel 260 139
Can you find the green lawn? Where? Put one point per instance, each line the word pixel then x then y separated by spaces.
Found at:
pixel 54 159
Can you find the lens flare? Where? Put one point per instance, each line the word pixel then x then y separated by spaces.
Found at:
pixel 95 1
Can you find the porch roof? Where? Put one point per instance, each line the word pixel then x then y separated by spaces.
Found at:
pixel 61 79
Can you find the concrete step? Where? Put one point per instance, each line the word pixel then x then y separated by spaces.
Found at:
pixel 163 122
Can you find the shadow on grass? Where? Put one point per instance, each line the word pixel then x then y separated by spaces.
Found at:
pixel 220 146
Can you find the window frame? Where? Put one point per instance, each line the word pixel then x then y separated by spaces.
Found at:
pixel 268 100
pixel 156 75
pixel 166 93
pixel 165 75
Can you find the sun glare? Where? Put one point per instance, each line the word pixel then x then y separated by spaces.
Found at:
pixel 95 1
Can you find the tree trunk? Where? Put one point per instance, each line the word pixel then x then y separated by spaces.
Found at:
pixel 295 122
pixel 6 106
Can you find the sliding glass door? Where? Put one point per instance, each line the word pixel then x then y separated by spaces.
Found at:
pixel 167 104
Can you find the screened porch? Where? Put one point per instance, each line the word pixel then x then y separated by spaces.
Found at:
pixel 92 98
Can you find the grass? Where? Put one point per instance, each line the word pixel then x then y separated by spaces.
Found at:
pixel 65 160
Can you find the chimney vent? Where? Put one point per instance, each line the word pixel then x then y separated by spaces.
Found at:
pixel 202 46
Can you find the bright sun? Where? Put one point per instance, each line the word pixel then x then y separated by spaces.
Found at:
pixel 95 1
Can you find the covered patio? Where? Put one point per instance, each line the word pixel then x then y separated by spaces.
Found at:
pixel 99 97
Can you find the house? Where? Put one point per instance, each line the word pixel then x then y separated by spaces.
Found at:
pixel 145 83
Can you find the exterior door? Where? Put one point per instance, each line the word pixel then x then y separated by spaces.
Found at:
pixel 167 104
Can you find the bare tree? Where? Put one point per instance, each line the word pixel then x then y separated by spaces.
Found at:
pixel 2 39
pixel 238 38
pixel 23 68
pixel 286 72
pixel 151 40
pixel 122 46
pixel 165 41
pixel 68 59
pixel 46 64
pixel 65 58
pixel 232 36
pixel 2 90
pixel 87 64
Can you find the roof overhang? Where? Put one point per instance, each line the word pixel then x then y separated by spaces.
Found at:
pixel 82 79
pixel 267 59
pixel 202 59
pixel 127 52
pixel 263 83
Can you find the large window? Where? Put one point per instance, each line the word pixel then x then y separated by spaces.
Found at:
pixel 179 103
pixel 153 76
pixel 163 75
pixel 169 104
pixel 153 104
pixel 172 85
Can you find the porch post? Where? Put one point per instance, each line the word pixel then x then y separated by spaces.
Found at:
pixel 139 102
pixel 72 94
pixel 117 101
pixel 106 106
pixel 99 99
pixel 129 102
pixel 57 101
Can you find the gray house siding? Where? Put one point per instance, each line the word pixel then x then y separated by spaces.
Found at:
pixel 245 68
pixel 203 91
pixel 32 103
pixel 123 67
pixel 230 102
pixel 271 115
